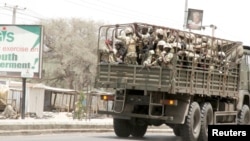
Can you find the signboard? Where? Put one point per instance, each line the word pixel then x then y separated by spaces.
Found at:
pixel 21 51
pixel 194 20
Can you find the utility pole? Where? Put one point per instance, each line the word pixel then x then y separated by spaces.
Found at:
pixel 14 9
pixel 214 27
pixel 185 14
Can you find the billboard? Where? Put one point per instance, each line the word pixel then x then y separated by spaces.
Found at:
pixel 21 51
pixel 194 19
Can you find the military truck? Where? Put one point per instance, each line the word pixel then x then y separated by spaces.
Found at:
pixel 187 97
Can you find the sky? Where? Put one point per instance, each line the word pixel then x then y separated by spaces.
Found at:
pixel 229 16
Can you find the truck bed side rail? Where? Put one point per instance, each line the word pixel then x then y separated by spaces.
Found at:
pixel 191 80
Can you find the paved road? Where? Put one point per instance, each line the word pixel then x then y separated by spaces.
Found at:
pixel 107 136
pixel 62 125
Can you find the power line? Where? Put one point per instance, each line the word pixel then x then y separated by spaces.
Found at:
pixel 36 13
pixel 30 15
pixel 14 9
pixel 135 11
pixel 119 11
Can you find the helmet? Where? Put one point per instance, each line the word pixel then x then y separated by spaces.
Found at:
pixel 161 43
pixel 167 45
pixel 204 39
pixel 150 29
pixel 151 52
pixel 177 45
pixel 159 31
pixel 181 34
pixel 128 30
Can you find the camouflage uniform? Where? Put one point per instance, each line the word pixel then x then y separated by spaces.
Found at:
pixel 167 56
pixel 112 57
pixel 164 56
pixel 143 43
pixel 159 47
pixel 121 51
pixel 167 60
pixel 130 43
pixel 149 58
pixel 104 55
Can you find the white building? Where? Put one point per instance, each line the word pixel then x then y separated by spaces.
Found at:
pixel 39 98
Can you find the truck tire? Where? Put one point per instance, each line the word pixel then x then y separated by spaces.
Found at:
pixel 206 119
pixel 177 130
pixel 122 127
pixel 138 131
pixel 244 115
pixel 192 126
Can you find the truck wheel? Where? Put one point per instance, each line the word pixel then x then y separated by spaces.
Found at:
pixel 244 115
pixel 206 119
pixel 121 127
pixel 192 126
pixel 177 130
pixel 138 131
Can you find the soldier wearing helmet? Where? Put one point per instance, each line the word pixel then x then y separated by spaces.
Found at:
pixel 130 43
pixel 167 56
pixel 180 52
pixel 143 42
pixel 159 47
pixel 128 31
pixel 177 47
pixel 147 62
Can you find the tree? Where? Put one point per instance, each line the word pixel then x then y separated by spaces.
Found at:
pixel 71 59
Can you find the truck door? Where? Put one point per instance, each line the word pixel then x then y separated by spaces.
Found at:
pixel 244 73
pixel 247 57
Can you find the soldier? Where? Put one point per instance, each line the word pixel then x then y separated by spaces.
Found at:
pixel 177 47
pixel 169 36
pixel 111 51
pixel 152 35
pixel 104 55
pixel 159 36
pixel 167 56
pixel 149 58
pixel 130 44
pixel 121 51
pixel 144 34
pixel 221 58
pixel 159 47
pixel 143 38
pixel 144 52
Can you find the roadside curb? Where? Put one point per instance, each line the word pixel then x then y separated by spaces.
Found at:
pixel 33 128
pixel 50 131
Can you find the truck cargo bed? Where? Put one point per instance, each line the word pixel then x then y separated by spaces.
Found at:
pixel 177 80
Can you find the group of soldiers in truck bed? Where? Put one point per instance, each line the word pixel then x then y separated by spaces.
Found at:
pixel 151 46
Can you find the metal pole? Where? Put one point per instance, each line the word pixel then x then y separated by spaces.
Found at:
pixel 14 15
pixel 213 30
pixel 23 98
pixel 14 8
pixel 185 14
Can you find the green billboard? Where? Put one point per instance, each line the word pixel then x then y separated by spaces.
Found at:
pixel 21 51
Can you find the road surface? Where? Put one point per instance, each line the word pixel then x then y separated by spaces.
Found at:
pixel 105 136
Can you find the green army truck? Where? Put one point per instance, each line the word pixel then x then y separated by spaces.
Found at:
pixel 187 98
